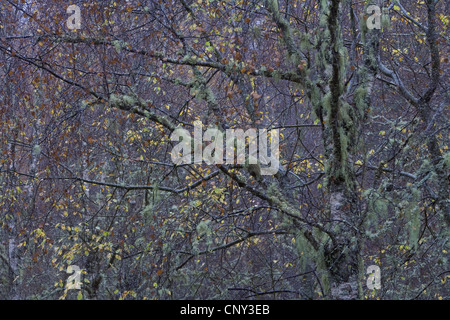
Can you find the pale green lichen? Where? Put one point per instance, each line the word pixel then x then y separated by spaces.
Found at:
pixel 128 100
pixel 124 101
pixel 118 45
pixel 36 150
pixel 322 270
pixel 343 139
pixel 203 228
pixel 114 100
pixel 210 97
pixel 326 103
pixel 360 97
pixel 447 159
pixel 412 212
pixel 305 41
pixel 363 28
pixel 385 19
pixel 345 117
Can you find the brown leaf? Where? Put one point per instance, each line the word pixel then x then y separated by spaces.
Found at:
pixel 255 95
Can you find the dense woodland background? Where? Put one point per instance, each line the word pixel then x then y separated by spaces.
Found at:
pixel 86 176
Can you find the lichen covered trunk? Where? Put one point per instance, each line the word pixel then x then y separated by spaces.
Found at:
pixel 341 254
